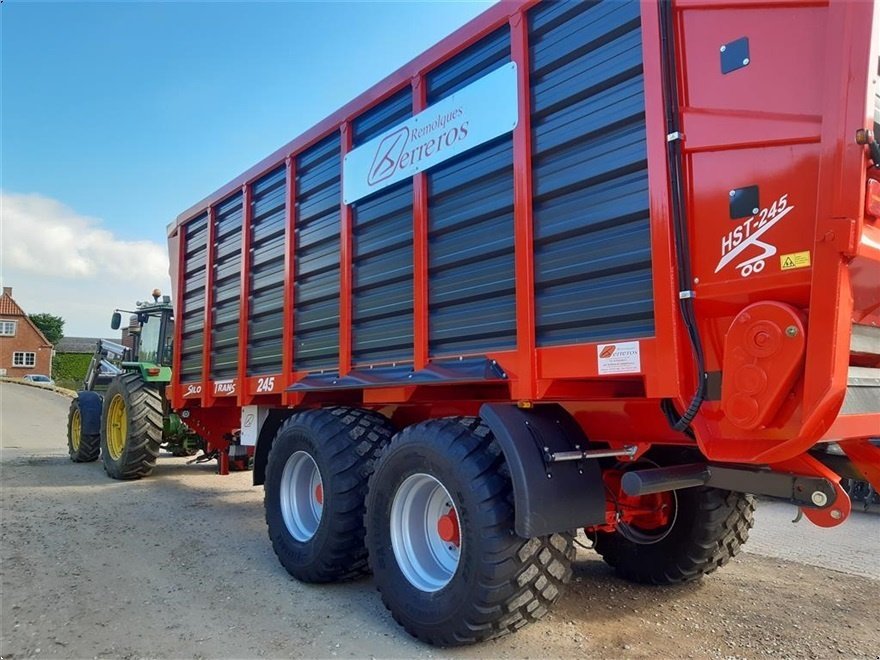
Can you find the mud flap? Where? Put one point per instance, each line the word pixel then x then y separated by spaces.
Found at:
pixel 553 497
pixel 90 405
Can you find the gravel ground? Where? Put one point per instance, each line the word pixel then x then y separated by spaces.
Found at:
pixel 179 566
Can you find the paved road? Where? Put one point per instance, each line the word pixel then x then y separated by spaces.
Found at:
pixel 178 565
pixel 30 419
pixel 853 547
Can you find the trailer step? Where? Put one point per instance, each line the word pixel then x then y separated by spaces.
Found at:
pixel 862 391
pixel 865 339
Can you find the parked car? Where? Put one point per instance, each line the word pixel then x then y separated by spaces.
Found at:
pixel 39 379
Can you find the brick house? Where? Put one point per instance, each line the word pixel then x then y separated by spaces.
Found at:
pixel 23 348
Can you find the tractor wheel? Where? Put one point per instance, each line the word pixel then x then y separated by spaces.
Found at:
pixel 316 482
pixel 82 448
pixel 446 559
pixel 703 530
pixel 131 427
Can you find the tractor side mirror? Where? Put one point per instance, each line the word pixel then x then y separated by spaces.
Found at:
pixel 116 321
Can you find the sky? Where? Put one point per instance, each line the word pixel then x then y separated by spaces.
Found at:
pixel 115 117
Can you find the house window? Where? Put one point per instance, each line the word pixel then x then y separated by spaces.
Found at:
pixel 7 328
pixel 22 359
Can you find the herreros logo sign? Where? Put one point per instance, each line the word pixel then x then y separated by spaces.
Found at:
pixel 482 111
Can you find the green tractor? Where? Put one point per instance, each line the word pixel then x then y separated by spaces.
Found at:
pixel 121 413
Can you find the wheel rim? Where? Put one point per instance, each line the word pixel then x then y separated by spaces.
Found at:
pixel 75 430
pixel 302 496
pixel 117 427
pixel 425 533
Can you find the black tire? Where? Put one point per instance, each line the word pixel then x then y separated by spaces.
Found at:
pixel 143 432
pixel 502 582
pixel 81 448
pixel 343 443
pixel 709 528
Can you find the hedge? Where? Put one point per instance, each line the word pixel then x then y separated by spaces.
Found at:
pixel 70 366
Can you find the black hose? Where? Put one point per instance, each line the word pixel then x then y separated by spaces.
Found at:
pixel 679 218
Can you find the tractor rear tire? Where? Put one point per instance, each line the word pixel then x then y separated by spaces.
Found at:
pixel 316 482
pixel 131 427
pixel 82 448
pixel 709 528
pixel 464 576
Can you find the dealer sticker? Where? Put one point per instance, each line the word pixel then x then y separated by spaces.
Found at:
pixel 620 358
pixel 794 260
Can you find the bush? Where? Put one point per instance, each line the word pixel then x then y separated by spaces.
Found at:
pixel 70 367
pixel 69 384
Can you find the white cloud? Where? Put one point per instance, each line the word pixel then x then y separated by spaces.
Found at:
pixel 64 263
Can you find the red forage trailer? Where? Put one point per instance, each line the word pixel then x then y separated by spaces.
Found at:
pixel 611 266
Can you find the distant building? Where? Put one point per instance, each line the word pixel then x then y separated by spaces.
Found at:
pixel 79 344
pixel 23 348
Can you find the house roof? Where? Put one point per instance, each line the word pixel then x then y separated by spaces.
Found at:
pixel 10 308
pixel 79 344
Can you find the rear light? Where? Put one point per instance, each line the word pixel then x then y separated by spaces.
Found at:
pixel 872 198
pixel 153 371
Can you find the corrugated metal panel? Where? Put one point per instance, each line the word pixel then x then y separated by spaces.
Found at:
pixel 379 119
pixel 592 238
pixel 489 53
pixel 227 288
pixel 266 302
pixel 316 313
pixel 472 304
pixel 193 303
pixel 382 271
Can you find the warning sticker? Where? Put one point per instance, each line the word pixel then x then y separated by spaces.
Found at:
pixel 795 260
pixel 620 358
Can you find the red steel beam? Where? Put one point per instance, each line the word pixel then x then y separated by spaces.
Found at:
pixel 346 255
pixel 207 388
pixel 287 341
pixel 524 386
pixel 244 397
pixel 420 245
pixel 177 389
pixel 672 374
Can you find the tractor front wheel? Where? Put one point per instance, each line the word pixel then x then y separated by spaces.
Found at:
pixel 131 427
pixel 82 448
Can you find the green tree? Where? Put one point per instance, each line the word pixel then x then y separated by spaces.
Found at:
pixel 50 325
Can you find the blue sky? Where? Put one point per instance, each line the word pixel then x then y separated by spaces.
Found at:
pixel 118 116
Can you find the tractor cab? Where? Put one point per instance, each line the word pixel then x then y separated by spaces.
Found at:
pixel 151 333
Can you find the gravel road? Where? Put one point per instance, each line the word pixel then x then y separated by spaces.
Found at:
pixel 179 566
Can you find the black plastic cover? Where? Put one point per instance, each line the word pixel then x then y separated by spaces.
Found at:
pixel 470 371
pixel 735 55
pixel 744 202
pixel 549 498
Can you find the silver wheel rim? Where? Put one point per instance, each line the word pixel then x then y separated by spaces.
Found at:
pixel 426 559
pixel 302 496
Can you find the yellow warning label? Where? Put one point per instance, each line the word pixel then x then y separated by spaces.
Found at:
pixel 795 260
